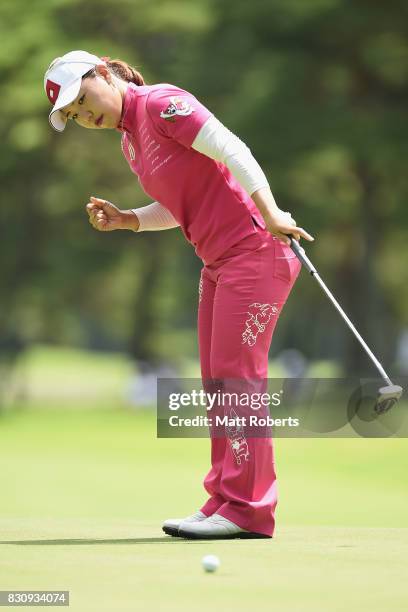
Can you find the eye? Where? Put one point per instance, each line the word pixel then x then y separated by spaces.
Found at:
pixel 80 101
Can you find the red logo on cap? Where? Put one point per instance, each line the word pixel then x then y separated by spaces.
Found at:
pixel 52 90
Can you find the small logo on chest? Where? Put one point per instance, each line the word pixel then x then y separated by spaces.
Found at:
pixel 177 106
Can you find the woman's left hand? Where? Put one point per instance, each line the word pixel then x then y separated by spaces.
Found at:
pixel 281 223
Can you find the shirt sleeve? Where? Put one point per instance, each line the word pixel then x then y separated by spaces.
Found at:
pixel 219 143
pixel 153 217
pixel 177 114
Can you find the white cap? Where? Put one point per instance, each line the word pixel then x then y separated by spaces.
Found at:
pixel 63 80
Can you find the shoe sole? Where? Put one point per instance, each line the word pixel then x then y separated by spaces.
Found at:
pixel 171 531
pixel 242 535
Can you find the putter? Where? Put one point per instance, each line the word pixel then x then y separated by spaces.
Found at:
pixel 387 396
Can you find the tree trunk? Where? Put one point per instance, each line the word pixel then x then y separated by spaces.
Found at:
pixel 142 341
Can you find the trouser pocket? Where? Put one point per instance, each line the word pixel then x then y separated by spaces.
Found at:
pixel 286 265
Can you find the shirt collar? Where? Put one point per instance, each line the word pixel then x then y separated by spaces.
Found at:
pixel 125 123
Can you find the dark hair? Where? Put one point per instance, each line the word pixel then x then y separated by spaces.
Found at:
pixel 120 69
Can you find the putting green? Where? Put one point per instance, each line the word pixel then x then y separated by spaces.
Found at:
pixel 83 493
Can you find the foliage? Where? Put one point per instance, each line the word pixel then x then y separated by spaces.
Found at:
pixel 317 89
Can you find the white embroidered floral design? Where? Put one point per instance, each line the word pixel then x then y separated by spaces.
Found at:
pixel 259 316
pixel 238 442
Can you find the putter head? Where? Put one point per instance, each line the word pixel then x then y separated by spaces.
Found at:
pixel 387 397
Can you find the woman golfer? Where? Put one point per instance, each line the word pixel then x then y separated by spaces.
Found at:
pixel 205 180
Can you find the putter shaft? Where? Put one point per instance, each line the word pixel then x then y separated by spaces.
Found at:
pixel 301 255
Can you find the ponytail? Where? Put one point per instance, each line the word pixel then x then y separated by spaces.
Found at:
pixel 123 71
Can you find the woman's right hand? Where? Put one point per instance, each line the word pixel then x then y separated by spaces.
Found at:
pixel 105 216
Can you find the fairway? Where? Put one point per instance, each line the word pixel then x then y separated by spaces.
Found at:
pixel 84 493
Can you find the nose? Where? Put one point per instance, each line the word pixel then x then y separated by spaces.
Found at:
pixel 85 116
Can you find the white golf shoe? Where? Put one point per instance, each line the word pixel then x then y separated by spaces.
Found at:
pixel 215 527
pixel 171 526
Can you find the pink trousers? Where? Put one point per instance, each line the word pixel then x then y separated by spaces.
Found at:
pixel 241 296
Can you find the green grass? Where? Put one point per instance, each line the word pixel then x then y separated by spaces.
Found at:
pixel 83 494
pixel 85 485
pixel 65 376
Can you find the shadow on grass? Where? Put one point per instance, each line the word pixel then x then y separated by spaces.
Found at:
pixel 79 542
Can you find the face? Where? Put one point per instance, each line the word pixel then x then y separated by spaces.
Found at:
pixel 99 102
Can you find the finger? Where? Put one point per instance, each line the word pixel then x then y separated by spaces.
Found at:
pixel 294 233
pixel 304 234
pixel 108 207
pixel 94 222
pixel 298 232
pixel 99 224
pixel 97 201
pixel 283 238
pixel 100 201
pixel 287 233
pixel 100 216
pixel 91 210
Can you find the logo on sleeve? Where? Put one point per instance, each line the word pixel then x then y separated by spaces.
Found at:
pixel 177 106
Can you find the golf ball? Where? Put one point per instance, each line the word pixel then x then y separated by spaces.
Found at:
pixel 210 563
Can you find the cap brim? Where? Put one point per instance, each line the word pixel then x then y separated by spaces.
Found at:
pixel 67 95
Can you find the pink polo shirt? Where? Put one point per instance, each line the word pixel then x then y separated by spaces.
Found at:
pixel 159 124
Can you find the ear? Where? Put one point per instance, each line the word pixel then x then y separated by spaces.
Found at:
pixel 104 72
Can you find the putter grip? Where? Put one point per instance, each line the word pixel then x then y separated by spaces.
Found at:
pixel 301 255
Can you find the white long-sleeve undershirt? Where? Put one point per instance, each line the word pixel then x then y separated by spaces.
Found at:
pixel 153 217
pixel 219 143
